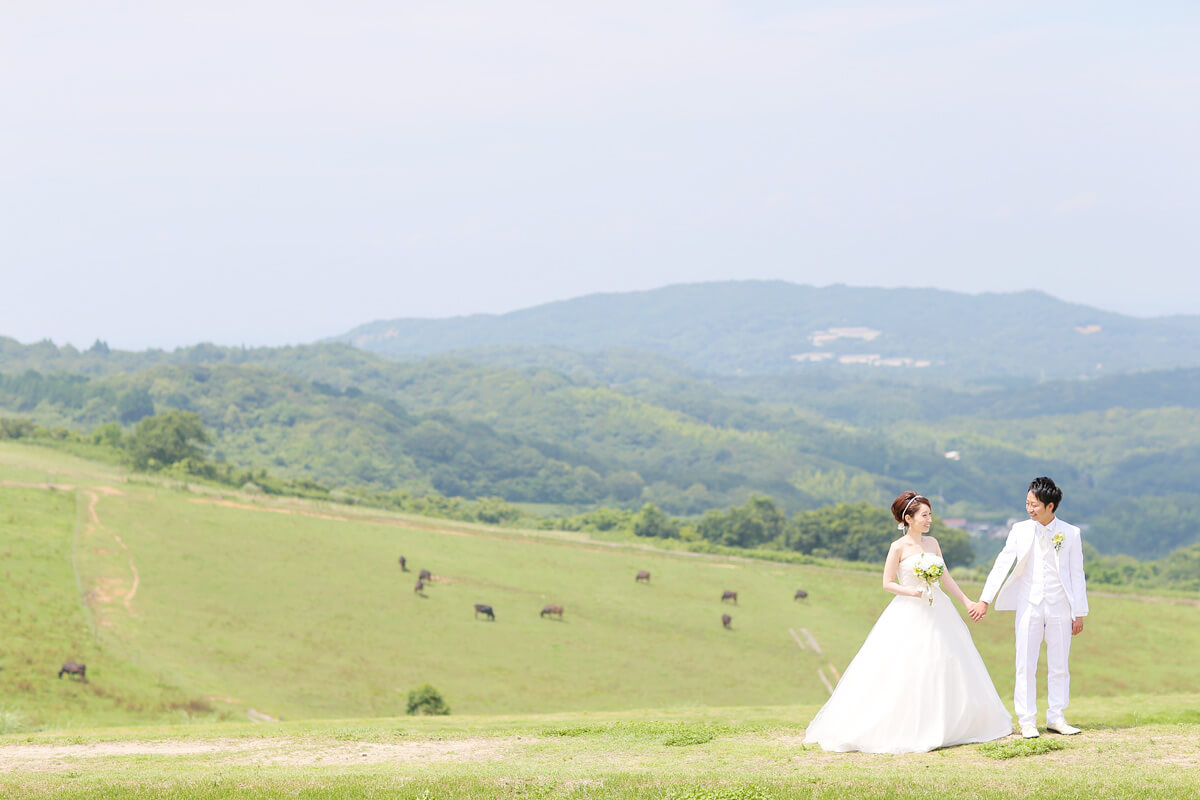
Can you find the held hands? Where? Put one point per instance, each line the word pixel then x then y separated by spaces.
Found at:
pixel 976 611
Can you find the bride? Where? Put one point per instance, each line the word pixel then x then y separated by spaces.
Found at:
pixel 918 682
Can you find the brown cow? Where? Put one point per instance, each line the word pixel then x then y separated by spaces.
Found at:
pixel 486 610
pixel 425 575
pixel 553 611
pixel 726 620
pixel 728 595
pixel 800 594
pixel 74 668
pixel 643 575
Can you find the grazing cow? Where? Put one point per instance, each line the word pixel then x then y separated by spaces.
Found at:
pixel 480 608
pixel 643 575
pixel 728 595
pixel 403 564
pixel 726 620
pixel 425 575
pixel 800 594
pixel 554 611
pixel 74 668
pixel 419 588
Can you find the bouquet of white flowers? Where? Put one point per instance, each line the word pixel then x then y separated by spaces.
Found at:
pixel 929 571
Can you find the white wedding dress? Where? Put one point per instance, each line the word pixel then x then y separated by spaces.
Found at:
pixel 917 683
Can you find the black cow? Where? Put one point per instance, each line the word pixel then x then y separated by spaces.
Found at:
pixel 728 595
pixel 74 668
pixel 800 594
pixel 726 620
pixel 425 575
pixel 486 610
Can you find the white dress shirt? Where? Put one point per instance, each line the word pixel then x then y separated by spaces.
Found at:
pixel 1045 581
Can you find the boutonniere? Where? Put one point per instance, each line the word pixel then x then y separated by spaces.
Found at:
pixel 1058 542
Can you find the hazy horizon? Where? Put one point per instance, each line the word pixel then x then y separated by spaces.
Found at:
pixel 215 340
pixel 269 174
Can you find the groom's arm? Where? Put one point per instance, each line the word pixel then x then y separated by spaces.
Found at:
pixel 1078 582
pixel 1004 562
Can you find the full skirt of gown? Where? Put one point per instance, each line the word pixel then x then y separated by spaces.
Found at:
pixel 917 684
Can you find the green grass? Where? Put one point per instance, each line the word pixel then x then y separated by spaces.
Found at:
pixel 307 615
pixel 731 752
pixel 637 693
pixel 45 622
pixel 1018 748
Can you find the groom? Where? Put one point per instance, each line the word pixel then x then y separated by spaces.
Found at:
pixel 1047 591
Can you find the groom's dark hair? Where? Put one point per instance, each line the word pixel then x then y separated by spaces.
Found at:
pixel 1046 492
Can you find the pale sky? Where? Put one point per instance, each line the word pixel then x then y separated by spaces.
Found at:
pixel 276 172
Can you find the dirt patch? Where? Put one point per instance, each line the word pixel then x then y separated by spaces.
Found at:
pixel 275 752
pixel 106 589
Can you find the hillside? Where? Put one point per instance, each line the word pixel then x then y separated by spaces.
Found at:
pixel 771 327
pixel 575 429
pixel 299 609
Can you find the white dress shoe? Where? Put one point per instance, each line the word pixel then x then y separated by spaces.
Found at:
pixel 1062 727
pixel 1029 731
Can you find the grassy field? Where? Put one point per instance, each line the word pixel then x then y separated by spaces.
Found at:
pixel 1133 747
pixel 199 602
pixel 192 606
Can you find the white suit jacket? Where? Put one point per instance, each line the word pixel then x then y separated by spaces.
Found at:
pixel 1013 593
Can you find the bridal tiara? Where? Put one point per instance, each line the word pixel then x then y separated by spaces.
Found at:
pixel 911 500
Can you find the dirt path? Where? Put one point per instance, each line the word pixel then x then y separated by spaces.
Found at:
pixel 93 525
pixel 268 751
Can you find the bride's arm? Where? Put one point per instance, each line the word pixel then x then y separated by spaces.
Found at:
pixel 949 585
pixel 890 568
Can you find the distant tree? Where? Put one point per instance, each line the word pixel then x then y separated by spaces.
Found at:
pixel 427 700
pixel 651 521
pixel 11 428
pixel 99 347
pixel 756 522
pixel 134 405
pixel 109 435
pixel 166 438
pixel 624 484
pixel 864 532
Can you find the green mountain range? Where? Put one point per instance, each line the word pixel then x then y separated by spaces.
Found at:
pixel 584 426
pixel 774 327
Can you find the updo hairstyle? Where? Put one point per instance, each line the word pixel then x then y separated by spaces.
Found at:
pixel 906 501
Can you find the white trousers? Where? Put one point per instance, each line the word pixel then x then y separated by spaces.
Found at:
pixel 1035 624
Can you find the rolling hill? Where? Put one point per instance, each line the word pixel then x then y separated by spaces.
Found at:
pixel 772 327
pixel 201 603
